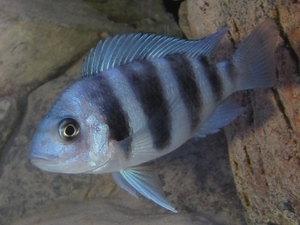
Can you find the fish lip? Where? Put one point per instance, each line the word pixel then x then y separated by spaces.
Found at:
pixel 40 156
pixel 37 160
pixel 40 162
pixel 40 159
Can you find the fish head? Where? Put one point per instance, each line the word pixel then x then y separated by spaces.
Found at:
pixel 72 137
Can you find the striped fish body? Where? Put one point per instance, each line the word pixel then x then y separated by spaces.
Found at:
pixel 141 97
pixel 165 99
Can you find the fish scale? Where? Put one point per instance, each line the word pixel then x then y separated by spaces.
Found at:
pixel 144 95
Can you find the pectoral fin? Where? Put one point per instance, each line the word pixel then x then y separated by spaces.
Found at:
pixel 122 183
pixel 143 180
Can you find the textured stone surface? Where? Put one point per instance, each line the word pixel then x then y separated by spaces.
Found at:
pixel 198 180
pixel 8 117
pixel 264 143
pixel 116 210
pixel 34 50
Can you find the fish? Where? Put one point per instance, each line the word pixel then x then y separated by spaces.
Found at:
pixel 141 96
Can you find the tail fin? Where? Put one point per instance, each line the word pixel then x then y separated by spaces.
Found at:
pixel 254 60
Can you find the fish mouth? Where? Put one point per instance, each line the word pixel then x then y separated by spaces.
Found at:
pixel 42 162
pixel 33 155
pixel 40 156
pixel 52 164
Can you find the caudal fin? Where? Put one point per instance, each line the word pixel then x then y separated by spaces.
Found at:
pixel 254 60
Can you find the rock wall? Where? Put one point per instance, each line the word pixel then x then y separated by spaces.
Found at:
pixel 263 143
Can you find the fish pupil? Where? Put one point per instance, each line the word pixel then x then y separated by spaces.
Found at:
pixel 68 129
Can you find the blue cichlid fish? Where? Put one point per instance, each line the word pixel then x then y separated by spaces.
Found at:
pixel 144 95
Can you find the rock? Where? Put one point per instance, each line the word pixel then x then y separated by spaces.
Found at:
pixel 8 111
pixel 34 51
pixel 264 142
pixel 135 13
pixel 109 211
pixel 197 180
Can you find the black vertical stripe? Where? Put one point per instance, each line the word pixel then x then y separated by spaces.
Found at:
pixel 210 71
pixel 189 91
pixel 101 94
pixel 144 80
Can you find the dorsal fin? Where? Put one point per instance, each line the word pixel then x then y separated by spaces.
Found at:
pixel 122 49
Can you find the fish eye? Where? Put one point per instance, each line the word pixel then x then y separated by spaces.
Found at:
pixel 68 129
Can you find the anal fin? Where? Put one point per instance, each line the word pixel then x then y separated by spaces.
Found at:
pixel 225 113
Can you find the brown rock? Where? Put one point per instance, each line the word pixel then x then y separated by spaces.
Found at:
pixel 264 143
pixel 33 52
pixel 198 180
pixel 110 211
pixel 8 116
